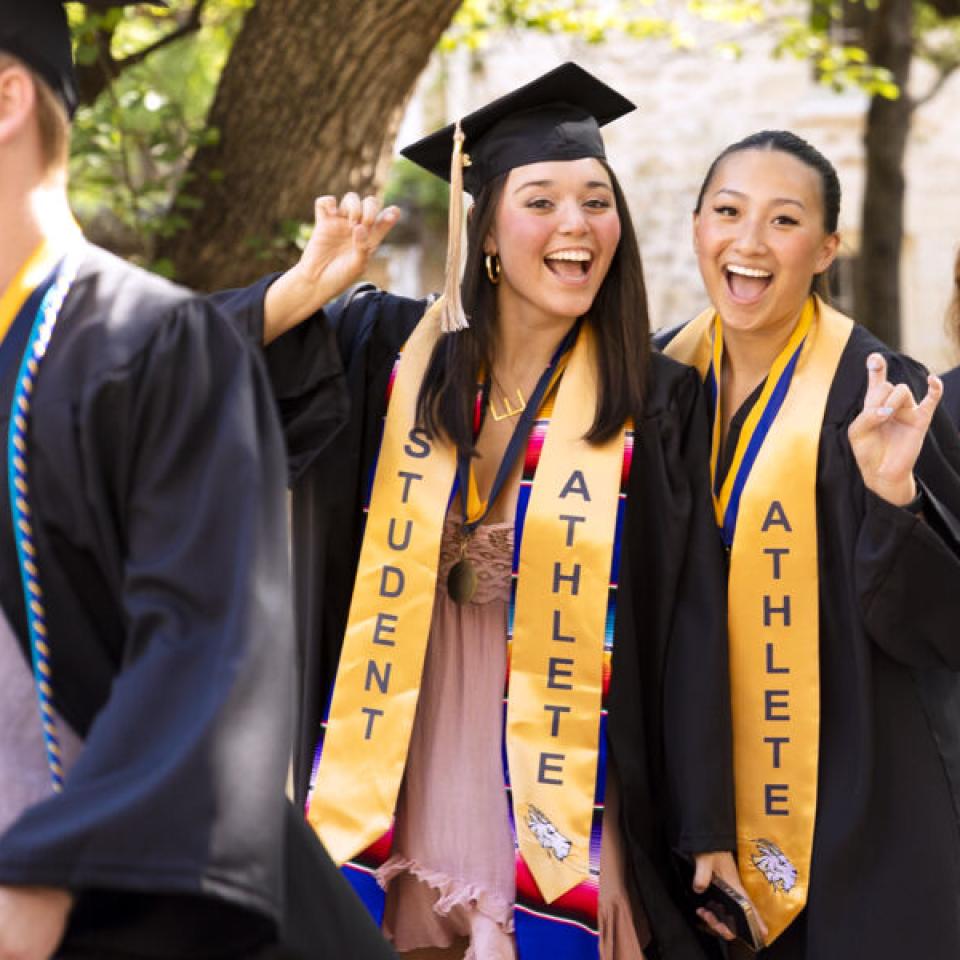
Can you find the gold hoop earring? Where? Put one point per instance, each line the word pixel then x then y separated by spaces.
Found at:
pixel 492 263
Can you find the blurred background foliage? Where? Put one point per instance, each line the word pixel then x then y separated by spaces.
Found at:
pixel 150 74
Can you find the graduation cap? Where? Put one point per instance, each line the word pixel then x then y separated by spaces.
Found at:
pixel 555 117
pixel 36 32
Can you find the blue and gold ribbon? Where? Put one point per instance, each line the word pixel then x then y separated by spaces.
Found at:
pixel 758 422
pixel 18 476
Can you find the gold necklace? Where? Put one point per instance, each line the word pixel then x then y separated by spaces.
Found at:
pixel 508 409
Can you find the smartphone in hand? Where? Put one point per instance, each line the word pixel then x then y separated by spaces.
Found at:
pixel 727 904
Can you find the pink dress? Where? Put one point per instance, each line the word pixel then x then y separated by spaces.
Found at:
pixel 451 874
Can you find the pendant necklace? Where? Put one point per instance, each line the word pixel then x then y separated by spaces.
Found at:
pixel 508 409
pixel 462 578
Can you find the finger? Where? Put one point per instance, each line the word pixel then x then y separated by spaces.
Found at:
pixel 715 926
pixel 324 207
pixel 369 209
pixel 898 399
pixel 702 874
pixel 877 385
pixel 386 220
pixel 933 396
pixel 361 240
pixel 351 208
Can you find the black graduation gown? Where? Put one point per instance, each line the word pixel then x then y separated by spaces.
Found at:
pixel 951 395
pixel 157 484
pixel 669 724
pixel 885 873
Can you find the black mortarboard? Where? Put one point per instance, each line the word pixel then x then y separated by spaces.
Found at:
pixel 36 31
pixel 555 117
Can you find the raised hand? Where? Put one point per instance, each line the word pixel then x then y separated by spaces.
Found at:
pixel 344 236
pixel 32 921
pixel 887 435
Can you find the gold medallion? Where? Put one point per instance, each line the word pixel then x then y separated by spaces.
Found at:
pixel 462 581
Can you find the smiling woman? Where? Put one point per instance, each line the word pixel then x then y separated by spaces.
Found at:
pixel 524 638
pixel 837 490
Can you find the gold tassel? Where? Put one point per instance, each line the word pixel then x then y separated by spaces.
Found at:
pixel 454 318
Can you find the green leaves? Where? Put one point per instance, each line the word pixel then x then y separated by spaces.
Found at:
pixel 131 146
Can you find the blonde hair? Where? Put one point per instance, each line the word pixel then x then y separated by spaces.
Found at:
pixel 53 124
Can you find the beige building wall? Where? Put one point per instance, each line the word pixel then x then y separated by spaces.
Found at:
pixel 691 105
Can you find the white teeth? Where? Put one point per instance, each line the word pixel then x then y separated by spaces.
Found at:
pixel 748 271
pixel 577 256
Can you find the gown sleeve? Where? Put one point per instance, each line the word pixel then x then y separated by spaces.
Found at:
pixel 696 706
pixel 315 367
pixel 305 367
pixel 907 564
pixel 179 788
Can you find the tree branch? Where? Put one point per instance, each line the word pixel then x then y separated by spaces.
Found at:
pixel 94 78
pixel 191 24
pixel 944 73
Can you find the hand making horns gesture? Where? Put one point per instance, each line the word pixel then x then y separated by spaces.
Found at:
pixel 344 236
pixel 887 435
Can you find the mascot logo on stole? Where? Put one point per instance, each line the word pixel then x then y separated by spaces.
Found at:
pixel 548 836
pixel 775 865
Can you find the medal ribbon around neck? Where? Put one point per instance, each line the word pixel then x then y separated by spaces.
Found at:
pixel 462 580
pixel 770 493
pixel 18 471
pixel 360 766
pixel 758 422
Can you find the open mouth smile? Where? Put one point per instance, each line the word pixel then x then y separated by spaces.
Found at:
pixel 570 266
pixel 746 284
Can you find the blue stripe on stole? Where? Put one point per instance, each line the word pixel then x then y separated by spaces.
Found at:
pixel 712 393
pixel 365 886
pixel 599 795
pixel 617 541
pixel 553 937
pixel 523 501
pixel 778 395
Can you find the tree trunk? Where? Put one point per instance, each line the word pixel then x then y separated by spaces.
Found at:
pixel 309 103
pixel 890 44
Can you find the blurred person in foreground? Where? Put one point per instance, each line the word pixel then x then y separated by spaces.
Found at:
pixel 146 644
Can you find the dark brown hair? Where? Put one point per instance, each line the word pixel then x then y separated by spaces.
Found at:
pixel 618 314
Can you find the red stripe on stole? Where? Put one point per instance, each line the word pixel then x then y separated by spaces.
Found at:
pixel 580 902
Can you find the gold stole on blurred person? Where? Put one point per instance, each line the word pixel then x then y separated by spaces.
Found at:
pixel 556 672
pixel 767 505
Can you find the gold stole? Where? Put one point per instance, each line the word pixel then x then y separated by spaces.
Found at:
pixel 557 654
pixel 27 279
pixel 774 618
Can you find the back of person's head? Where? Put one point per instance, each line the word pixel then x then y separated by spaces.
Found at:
pixel 52 123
